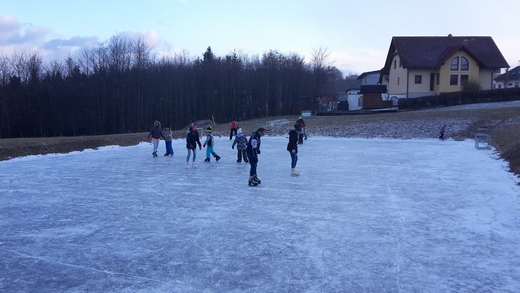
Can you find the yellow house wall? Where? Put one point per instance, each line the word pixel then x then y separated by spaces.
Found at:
pixel 424 86
pixel 445 72
pixel 397 78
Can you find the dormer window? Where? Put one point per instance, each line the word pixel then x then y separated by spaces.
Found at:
pixel 464 64
pixel 459 63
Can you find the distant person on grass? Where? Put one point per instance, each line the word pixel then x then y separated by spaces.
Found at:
pixel 156 134
pixel 442 130
pixel 234 127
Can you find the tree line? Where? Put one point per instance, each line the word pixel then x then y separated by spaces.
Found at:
pixel 121 86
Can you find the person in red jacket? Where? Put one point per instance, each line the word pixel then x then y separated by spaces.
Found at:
pixel 234 127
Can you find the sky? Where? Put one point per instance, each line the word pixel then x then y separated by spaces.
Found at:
pixel 356 34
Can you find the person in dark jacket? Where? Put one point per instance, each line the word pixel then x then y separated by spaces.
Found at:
pixel 192 140
pixel 292 147
pixel 241 143
pixel 156 134
pixel 253 150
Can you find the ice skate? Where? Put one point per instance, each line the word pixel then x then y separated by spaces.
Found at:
pixel 252 182
pixel 256 180
pixel 187 164
pixel 239 161
pixel 207 160
pixel 193 165
pixel 294 172
pixel 154 154
pixel 217 158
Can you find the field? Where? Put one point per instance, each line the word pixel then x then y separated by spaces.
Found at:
pixel 499 120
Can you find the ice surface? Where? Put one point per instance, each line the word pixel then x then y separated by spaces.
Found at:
pixel 364 216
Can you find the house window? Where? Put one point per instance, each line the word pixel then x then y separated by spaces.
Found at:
pixel 464 79
pixel 464 64
pixel 395 64
pixel 459 63
pixel 454 79
pixel 454 65
pixel 438 78
pixel 398 79
pixel 418 79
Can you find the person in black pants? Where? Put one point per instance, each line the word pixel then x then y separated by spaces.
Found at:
pixel 253 150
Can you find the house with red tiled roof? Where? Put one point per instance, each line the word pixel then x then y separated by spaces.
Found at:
pixel 423 66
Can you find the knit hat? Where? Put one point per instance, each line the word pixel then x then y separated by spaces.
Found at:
pixel 208 129
pixel 239 131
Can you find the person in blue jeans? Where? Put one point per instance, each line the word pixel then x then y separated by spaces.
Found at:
pixel 168 137
pixel 253 150
pixel 292 147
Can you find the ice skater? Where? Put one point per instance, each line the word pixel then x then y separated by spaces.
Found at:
pixel 241 143
pixel 168 137
pixel 292 147
pixel 302 134
pixel 253 150
pixel 192 140
pixel 156 134
pixel 208 144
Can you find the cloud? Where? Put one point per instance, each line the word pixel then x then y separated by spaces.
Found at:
pixel 16 36
pixel 150 37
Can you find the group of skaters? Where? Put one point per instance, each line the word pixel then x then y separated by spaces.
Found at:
pixel 247 149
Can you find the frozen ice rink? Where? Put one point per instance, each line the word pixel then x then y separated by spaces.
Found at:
pixel 364 216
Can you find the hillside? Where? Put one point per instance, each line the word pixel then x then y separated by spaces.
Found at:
pixel 500 120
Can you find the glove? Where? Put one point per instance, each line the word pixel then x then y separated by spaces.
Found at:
pixel 233 147
pixel 200 148
pixel 204 144
pixel 293 151
pixel 258 151
pixel 191 146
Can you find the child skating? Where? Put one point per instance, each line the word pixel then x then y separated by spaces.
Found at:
pixel 208 144
pixel 241 143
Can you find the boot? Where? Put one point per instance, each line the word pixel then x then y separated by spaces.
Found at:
pixel 207 160
pixel 256 180
pixel 239 161
pixel 217 158
pixel 252 182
